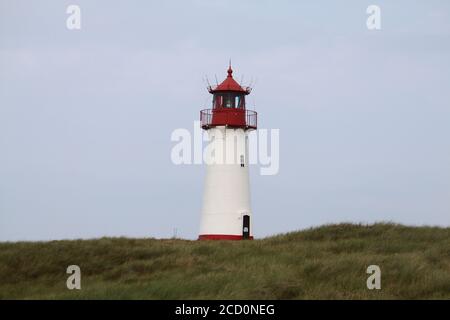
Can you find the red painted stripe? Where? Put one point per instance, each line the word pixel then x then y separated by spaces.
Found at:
pixel 221 237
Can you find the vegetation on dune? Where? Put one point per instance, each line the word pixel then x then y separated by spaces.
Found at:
pixel 322 263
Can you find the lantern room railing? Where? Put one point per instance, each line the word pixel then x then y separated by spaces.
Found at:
pixel 239 118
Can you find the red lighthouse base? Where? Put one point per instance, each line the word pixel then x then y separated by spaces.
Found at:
pixel 222 237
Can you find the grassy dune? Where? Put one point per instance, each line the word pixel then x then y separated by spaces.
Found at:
pixel 323 263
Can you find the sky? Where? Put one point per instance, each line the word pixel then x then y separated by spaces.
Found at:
pixel 86 115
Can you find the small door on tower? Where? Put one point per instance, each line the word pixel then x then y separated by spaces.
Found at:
pixel 246 227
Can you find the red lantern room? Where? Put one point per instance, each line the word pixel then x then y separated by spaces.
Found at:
pixel 228 106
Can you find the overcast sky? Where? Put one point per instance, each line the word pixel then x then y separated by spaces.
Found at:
pixel 86 115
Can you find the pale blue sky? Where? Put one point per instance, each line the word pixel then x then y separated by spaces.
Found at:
pixel 86 116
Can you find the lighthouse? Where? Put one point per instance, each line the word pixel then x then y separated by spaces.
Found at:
pixel 226 212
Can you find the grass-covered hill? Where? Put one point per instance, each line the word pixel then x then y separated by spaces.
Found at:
pixel 323 263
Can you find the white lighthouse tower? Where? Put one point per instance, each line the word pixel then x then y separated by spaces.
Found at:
pixel 226 213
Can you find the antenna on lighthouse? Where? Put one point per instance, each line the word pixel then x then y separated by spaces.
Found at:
pixel 217 82
pixel 207 81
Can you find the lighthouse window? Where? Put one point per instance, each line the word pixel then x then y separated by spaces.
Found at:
pixel 217 101
pixel 240 101
pixel 242 161
pixel 229 101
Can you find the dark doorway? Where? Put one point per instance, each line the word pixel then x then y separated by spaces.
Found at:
pixel 246 227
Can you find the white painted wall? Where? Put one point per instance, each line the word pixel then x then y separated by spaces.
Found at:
pixel 226 195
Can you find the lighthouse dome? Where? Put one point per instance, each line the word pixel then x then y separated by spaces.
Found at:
pixel 229 84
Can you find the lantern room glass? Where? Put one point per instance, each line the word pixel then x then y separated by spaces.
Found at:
pixel 229 100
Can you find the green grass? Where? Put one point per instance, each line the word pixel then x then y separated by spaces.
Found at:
pixel 322 263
